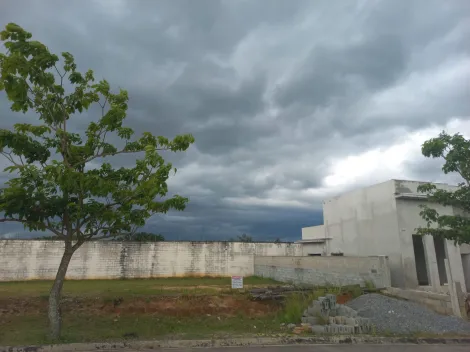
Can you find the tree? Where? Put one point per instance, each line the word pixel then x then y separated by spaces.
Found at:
pixel 242 238
pixel 141 237
pixel 53 188
pixel 455 150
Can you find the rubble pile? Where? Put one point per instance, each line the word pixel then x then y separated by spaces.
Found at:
pixel 275 292
pixel 325 316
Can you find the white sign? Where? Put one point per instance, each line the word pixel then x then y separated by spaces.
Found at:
pixel 237 282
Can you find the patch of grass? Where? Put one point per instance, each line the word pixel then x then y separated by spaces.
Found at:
pixel 369 285
pixel 88 325
pixel 85 328
pixel 130 287
pixel 295 304
pixel 355 290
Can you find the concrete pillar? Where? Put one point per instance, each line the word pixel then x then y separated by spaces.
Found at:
pixel 454 295
pixel 431 262
pixel 385 271
pixel 455 263
pixel 466 269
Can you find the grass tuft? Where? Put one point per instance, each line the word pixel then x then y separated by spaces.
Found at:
pixel 295 304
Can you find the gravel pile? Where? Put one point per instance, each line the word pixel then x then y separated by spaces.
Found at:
pixel 390 315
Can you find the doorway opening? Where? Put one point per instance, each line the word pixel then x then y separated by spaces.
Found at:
pixel 420 261
pixel 440 257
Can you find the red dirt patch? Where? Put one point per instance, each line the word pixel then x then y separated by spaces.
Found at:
pixel 185 306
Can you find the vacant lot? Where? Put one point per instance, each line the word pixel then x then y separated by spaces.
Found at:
pixel 137 287
pixel 101 310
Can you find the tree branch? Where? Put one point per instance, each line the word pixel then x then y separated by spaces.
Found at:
pixel 10 159
pixel 51 228
pixel 102 155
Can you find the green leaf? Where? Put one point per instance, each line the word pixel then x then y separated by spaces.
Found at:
pixel 455 151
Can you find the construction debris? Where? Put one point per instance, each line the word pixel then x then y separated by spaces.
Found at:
pixel 325 316
pixel 275 292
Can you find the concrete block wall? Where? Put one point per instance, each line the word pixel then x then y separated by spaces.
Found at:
pixel 33 260
pixel 319 271
pixel 440 303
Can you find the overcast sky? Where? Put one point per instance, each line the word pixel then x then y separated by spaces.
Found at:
pixel 290 101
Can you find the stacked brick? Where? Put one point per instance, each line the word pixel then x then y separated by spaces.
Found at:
pixel 325 316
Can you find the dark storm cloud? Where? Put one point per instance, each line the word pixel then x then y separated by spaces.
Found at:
pixel 331 72
pixel 224 222
pixel 271 90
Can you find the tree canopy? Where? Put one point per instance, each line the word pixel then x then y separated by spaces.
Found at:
pixel 62 179
pixel 53 189
pixel 242 238
pixel 141 237
pixel 455 150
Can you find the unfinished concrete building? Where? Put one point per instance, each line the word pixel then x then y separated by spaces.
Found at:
pixel 381 220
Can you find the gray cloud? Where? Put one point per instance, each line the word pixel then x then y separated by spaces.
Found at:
pixel 273 93
pixel 330 72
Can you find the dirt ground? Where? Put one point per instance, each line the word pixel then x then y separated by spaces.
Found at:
pixel 115 310
pixel 186 306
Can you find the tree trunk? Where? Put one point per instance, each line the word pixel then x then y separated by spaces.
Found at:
pixel 55 318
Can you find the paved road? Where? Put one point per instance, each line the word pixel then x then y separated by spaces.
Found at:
pixel 338 348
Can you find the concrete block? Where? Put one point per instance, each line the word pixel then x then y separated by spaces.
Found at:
pixel 318 329
pixel 363 321
pixel 331 320
pixel 311 320
pixel 315 303
pixel 346 311
pixel 340 319
pixel 328 329
pixel 351 321
pixel 331 299
pixel 363 326
pixel 345 329
pixel 314 311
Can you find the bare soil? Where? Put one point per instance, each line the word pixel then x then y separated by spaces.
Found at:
pixel 186 306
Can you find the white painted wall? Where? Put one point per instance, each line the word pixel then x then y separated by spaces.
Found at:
pixel 31 260
pixel 313 232
pixel 374 221
pixel 409 220
pixel 363 222
pixel 314 248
